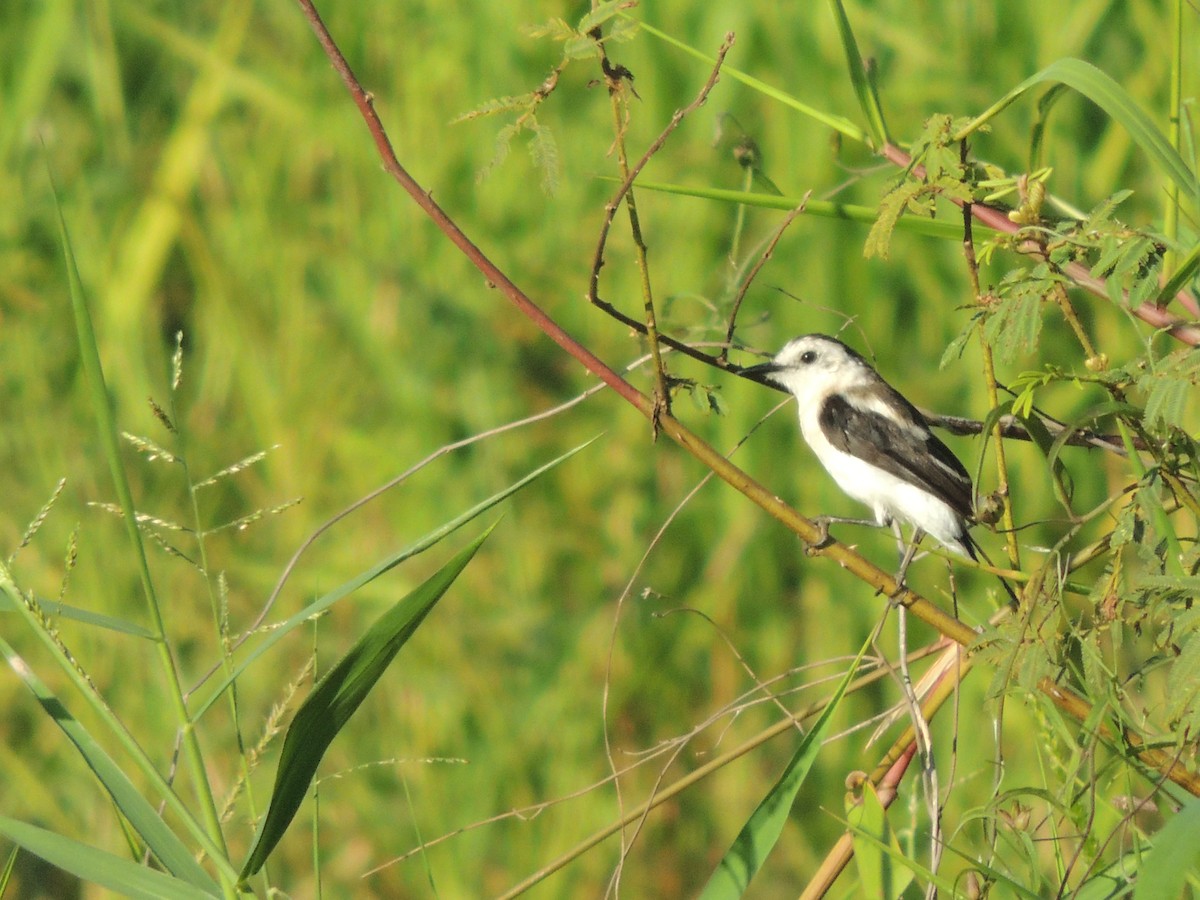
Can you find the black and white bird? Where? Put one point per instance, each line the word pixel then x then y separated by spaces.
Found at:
pixel 873 442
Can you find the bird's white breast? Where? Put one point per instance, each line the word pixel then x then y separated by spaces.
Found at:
pixel 889 497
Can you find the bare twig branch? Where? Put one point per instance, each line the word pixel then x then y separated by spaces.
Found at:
pixel 753 273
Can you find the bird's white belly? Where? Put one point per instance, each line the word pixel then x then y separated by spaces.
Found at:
pixel 890 497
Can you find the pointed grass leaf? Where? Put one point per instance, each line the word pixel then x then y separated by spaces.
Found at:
pixel 89 357
pixel 865 215
pixel 839 124
pixel 864 86
pixel 424 543
pixel 1188 267
pixel 754 842
pixel 162 842
pixel 86 616
pixel 123 876
pixel 336 697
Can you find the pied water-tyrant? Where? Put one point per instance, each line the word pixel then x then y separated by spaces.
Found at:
pixel 873 442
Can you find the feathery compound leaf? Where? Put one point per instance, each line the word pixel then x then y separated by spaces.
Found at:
pixel 544 152
pixel 601 14
pixel 517 103
pixel 1183 687
pixel 336 697
pixel 1168 387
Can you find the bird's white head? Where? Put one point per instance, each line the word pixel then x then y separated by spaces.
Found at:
pixel 814 366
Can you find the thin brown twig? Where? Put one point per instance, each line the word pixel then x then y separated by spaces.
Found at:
pixel 753 273
pixel 619 79
pixel 1008 522
pixel 610 208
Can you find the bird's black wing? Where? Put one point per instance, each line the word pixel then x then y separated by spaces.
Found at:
pixel 907 449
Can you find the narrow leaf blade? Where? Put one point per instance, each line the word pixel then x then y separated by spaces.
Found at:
pixel 762 829
pixel 145 820
pixel 335 698
pixel 326 601
pixel 123 876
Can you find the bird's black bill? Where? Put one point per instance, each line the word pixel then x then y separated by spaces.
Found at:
pixel 762 373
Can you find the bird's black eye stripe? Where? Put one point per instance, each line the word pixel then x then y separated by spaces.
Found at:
pixel 808 356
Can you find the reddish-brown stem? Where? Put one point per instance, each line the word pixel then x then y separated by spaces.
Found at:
pixel 1148 312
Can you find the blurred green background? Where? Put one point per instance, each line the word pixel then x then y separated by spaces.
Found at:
pixel 217 180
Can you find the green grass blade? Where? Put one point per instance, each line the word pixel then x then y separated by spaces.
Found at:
pixel 1181 277
pixel 1106 93
pixel 754 842
pixel 336 697
pixel 7 872
pixel 89 357
pixel 826 209
pixel 837 123
pixel 144 819
pixel 86 616
pixel 89 354
pixel 125 877
pixel 864 87
pixel 326 601
pixel 130 802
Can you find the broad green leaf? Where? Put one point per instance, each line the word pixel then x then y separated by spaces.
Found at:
pixel 125 877
pixel 279 632
pixel 336 697
pixel 142 817
pixel 754 842
pixel 1174 857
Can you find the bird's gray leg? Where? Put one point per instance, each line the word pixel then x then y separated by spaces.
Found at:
pixel 906 553
pixel 823 523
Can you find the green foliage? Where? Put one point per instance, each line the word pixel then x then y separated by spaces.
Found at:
pixel 942 175
pixel 233 198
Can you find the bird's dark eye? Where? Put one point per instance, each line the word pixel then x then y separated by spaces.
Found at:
pixel 808 356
